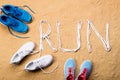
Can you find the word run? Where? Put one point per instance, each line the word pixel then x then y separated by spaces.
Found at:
pixel 90 27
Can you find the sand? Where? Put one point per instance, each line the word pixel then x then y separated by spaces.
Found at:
pixel 68 12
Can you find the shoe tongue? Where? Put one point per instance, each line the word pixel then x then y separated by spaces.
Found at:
pixel 17 12
pixel 70 70
pixel 83 75
pixel 12 23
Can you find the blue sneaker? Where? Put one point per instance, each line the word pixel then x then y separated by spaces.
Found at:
pixel 13 23
pixel 69 69
pixel 17 12
pixel 85 70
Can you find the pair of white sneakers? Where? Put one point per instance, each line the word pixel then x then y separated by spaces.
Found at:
pixel 26 50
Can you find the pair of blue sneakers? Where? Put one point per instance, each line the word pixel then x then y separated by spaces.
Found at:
pixel 15 18
pixel 69 69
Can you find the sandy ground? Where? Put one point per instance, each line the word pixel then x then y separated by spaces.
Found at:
pixel 105 64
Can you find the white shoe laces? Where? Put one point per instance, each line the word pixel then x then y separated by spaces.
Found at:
pixel 46 37
pixel 78 39
pixel 106 42
pixel 48 72
pixel 41 66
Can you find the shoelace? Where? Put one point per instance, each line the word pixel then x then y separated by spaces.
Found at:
pixel 24 6
pixel 78 39
pixel 28 8
pixel 106 42
pixel 47 72
pixel 45 36
pixel 15 34
pixel 1 11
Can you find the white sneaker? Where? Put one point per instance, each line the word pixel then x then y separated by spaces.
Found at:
pixel 25 50
pixel 39 63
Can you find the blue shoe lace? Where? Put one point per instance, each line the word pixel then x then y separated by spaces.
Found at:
pixel 15 35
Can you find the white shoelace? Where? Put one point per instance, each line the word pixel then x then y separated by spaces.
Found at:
pixel 78 39
pixel 48 72
pixel 46 36
pixel 106 42
pixel 42 37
